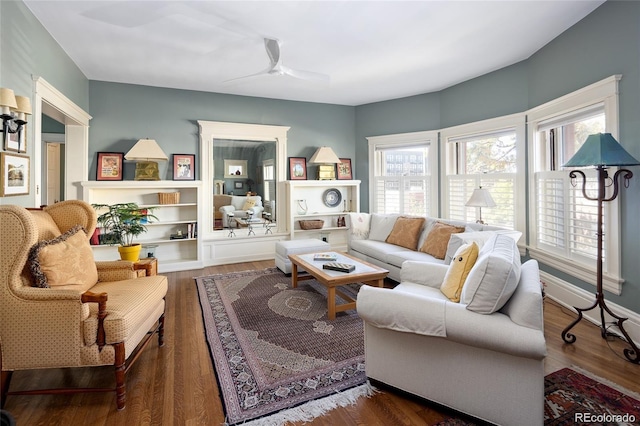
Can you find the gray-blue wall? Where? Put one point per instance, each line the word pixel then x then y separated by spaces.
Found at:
pixel 604 43
pixel 124 113
pixel 27 50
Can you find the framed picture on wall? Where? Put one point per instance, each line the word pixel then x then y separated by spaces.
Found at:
pixel 297 168
pixel 344 169
pixel 184 167
pixel 237 185
pixel 16 142
pixel 109 166
pixel 15 174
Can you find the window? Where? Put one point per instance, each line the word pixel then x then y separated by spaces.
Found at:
pixel 563 223
pixel 401 178
pixel 486 155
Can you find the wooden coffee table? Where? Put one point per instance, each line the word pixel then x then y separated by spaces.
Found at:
pixel 365 273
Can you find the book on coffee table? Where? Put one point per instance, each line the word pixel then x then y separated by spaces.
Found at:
pixel 342 267
pixel 325 256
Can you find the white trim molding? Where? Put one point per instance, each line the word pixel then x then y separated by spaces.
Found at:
pixel 568 295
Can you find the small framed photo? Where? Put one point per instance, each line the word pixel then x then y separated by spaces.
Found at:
pixel 344 169
pixel 237 185
pixel 109 166
pixel 297 168
pixel 15 174
pixel 16 142
pixel 184 167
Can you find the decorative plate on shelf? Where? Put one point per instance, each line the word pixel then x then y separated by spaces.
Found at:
pixel 332 197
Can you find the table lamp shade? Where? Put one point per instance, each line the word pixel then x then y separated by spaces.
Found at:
pixel 480 198
pixel 324 155
pixel 601 149
pixel 146 150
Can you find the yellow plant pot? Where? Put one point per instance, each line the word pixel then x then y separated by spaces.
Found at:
pixel 130 253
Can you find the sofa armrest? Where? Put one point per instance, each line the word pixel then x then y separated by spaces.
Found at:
pixel 399 311
pixel 116 270
pixel 227 209
pixel 425 273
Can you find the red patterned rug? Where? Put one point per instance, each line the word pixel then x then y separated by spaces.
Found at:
pixel 274 349
pixel 571 398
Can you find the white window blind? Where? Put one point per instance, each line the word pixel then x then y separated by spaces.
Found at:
pixel 402 178
pixel 487 160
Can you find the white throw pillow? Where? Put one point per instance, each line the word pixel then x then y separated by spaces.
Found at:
pixel 381 226
pixel 494 277
pixel 478 237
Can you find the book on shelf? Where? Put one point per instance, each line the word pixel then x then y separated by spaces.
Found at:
pixel 341 267
pixel 325 256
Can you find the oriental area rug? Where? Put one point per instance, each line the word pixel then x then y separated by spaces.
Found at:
pixel 275 351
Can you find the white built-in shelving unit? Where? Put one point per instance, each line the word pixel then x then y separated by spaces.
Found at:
pixel 312 192
pixel 184 216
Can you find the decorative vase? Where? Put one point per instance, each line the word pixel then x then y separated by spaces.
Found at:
pixel 302 207
pixel 130 253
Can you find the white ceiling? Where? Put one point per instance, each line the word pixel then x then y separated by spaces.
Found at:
pixel 372 50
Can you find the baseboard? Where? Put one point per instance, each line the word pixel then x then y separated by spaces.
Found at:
pixel 568 295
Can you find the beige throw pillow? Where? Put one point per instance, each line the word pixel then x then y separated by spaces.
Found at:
pixel 65 262
pixel 406 232
pixel 436 242
pixel 462 262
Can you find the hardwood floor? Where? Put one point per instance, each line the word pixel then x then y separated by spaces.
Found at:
pixel 176 385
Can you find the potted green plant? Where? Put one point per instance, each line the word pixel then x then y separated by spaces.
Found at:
pixel 123 222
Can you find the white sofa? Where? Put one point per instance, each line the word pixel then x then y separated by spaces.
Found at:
pixel 237 207
pixel 487 364
pixel 367 233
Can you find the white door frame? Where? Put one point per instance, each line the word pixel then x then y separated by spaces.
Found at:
pixel 52 102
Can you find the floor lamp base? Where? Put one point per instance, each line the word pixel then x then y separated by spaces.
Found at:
pixel 632 353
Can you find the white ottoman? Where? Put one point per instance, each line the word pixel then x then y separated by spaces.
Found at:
pixel 285 248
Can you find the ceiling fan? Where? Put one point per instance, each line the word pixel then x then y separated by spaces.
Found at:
pixel 277 68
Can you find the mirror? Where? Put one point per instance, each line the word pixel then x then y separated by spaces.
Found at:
pixel 258 152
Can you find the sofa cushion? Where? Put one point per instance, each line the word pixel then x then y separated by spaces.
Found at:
pixel 406 232
pixel 376 249
pixel 525 305
pixel 397 258
pixel 494 277
pixel 65 262
pixel 464 259
pixel 381 226
pixel 436 242
pixel 479 237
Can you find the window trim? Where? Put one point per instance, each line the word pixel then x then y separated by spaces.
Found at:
pixel 407 139
pixel 493 125
pixel 606 92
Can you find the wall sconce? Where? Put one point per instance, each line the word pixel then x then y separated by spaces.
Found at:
pixel 14 111
pixel 146 153
pixel 480 198
pixel 326 160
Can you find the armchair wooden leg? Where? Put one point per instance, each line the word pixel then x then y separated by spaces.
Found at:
pixel 5 380
pixel 161 331
pixel 121 392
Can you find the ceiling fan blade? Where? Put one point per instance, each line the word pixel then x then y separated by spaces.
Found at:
pixel 264 72
pixel 273 50
pixel 305 75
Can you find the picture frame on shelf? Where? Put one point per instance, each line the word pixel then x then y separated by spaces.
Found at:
pixel 297 168
pixel 345 172
pixel 184 167
pixel 14 179
pixel 109 166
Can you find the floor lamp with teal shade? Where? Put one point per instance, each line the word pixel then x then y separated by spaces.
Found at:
pixel 601 151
